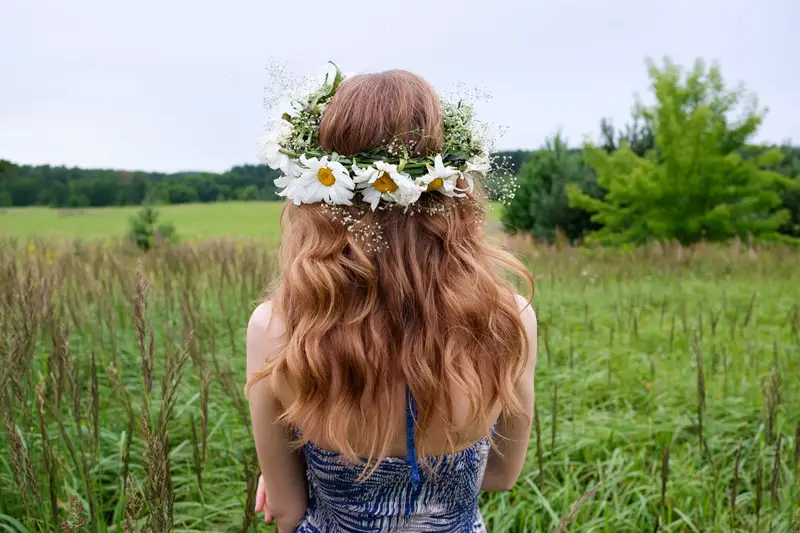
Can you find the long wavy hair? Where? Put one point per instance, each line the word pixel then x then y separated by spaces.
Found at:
pixel 429 308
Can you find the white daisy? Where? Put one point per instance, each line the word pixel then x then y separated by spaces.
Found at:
pixel 291 188
pixel 441 179
pixel 324 181
pixel 269 152
pixel 385 182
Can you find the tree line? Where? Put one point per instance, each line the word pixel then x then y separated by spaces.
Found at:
pixel 64 187
pixel 58 186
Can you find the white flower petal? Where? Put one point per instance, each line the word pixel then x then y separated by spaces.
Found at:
pixel 343 176
pixel 283 181
pixel 372 196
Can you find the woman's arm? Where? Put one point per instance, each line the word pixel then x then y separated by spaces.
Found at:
pixel 513 433
pixel 283 469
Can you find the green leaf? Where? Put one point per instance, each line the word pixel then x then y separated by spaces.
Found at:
pixel 337 79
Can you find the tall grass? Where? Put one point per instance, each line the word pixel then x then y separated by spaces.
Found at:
pixel 669 380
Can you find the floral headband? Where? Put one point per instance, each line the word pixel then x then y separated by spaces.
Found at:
pixel 389 174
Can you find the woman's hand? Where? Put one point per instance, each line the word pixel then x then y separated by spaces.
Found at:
pixel 261 500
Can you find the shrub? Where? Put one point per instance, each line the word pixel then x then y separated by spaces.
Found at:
pixel 145 231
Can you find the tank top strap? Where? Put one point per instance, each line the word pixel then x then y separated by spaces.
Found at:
pixel 411 447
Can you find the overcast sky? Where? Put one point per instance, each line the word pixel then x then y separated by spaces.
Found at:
pixel 177 84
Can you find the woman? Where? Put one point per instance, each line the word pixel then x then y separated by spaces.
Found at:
pixel 390 372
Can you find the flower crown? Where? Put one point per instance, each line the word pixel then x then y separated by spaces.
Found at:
pixel 388 174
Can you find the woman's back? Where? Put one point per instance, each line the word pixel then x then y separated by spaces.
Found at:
pixel 391 345
pixel 400 494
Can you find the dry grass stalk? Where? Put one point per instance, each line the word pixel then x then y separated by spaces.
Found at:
pixel 122 393
pixel 574 509
pixel 672 334
pixel 158 489
pixel 20 460
pixel 205 386
pixel 733 322
pixel 539 454
pixel 555 420
pixel 70 375
pixel 749 314
pixel 796 462
pixel 76 518
pixel 142 324
pixel 47 449
pixel 197 460
pixel 251 473
pixel 759 488
pixel 94 405
pixel 608 362
pixel 735 485
pixel 795 323
pixel 133 506
pixel 771 388
pixel 547 345
pixel 714 321
pixel 176 365
pixel 701 389
pixel 776 474
pixel 699 330
pixel 233 390
pixel 664 475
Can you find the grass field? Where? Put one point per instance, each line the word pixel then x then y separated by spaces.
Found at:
pixel 668 378
pixel 236 220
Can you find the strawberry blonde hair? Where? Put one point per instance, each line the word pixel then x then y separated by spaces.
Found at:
pixel 429 308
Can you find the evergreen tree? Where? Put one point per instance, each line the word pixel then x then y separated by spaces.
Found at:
pixel 540 205
pixel 697 183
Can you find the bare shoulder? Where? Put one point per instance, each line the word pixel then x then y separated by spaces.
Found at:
pixel 264 322
pixel 527 313
pixel 264 335
pixel 528 316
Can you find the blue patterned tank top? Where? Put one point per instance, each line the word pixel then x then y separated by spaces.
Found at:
pixel 400 496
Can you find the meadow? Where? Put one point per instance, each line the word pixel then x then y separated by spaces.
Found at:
pixel 232 220
pixel 667 386
pixel 235 220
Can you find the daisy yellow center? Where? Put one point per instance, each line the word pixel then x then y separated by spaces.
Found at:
pixel 435 184
pixel 325 176
pixel 385 183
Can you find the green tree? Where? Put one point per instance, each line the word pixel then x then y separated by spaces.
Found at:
pixel 637 134
pixel 181 193
pixel 249 193
pixel 790 167
pixel 540 204
pixel 57 195
pixel 696 184
pixel 146 232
